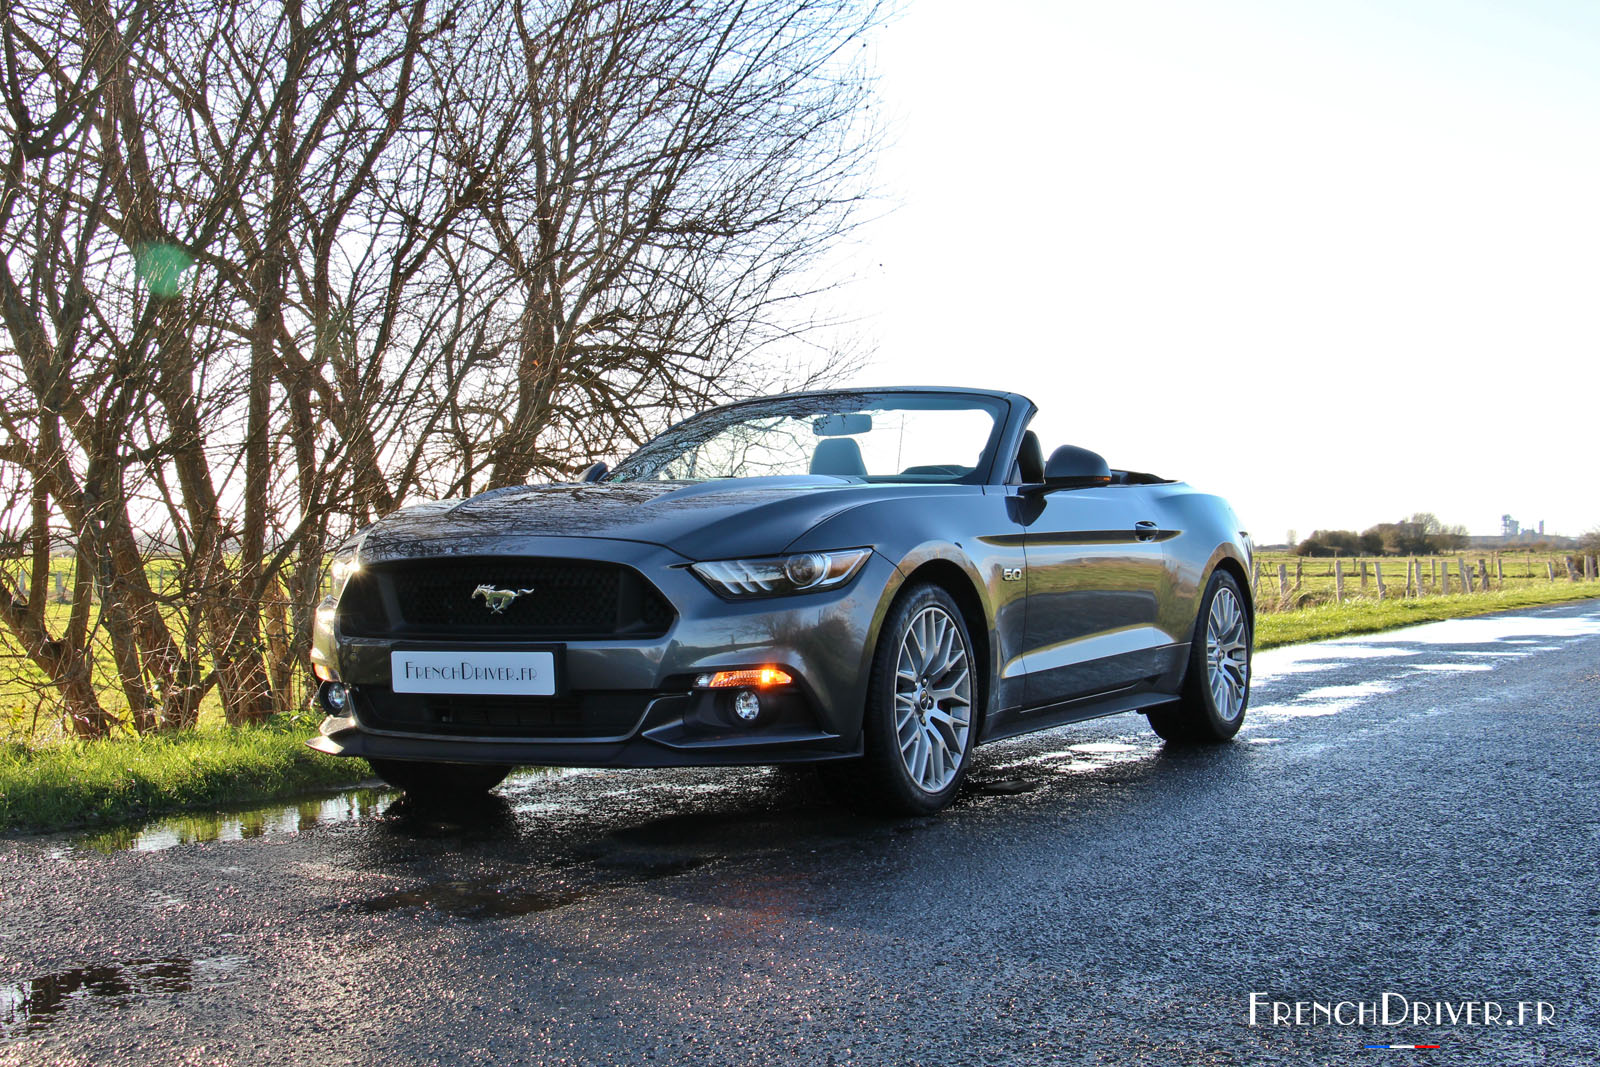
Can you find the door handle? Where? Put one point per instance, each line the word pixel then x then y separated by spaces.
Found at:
pixel 1145 530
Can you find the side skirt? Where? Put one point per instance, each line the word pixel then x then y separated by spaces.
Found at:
pixel 1132 698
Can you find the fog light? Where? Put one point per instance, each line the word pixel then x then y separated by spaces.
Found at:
pixel 336 697
pixel 747 706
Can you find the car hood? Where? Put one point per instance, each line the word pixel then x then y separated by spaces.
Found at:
pixel 704 520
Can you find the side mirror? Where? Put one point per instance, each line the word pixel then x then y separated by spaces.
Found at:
pixel 1070 467
pixel 594 473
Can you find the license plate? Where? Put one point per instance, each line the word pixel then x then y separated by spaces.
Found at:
pixel 530 674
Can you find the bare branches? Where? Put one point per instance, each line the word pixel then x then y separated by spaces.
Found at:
pixel 272 268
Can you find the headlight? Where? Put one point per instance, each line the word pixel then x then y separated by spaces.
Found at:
pixel 804 572
pixel 342 565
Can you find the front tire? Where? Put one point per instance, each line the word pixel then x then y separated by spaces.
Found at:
pixel 1216 686
pixel 440 781
pixel 920 724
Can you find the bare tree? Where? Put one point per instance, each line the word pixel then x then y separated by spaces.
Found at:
pixel 272 268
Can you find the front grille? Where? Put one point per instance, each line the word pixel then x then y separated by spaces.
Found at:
pixel 582 715
pixel 557 598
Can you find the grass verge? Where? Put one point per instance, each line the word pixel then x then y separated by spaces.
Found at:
pixel 90 783
pixel 55 787
pixel 1367 616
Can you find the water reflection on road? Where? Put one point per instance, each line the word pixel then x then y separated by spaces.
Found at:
pixel 204 826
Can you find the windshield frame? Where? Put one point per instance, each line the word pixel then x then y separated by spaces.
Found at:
pixel 680 437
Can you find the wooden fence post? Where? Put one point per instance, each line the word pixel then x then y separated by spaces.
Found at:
pixel 1444 582
pixel 1283 584
pixel 1363 576
pixel 1572 572
pixel 1433 571
pixel 1590 564
pixel 1377 574
pixel 1413 578
pixel 1338 580
pixel 1466 578
pixel 61 587
pixel 1500 570
pixel 1299 574
pixel 1483 574
pixel 1550 569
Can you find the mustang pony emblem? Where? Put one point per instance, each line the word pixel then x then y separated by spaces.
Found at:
pixel 497 600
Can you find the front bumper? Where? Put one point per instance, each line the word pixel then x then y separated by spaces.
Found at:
pixel 823 640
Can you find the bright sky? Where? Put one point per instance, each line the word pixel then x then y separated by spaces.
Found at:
pixel 1336 261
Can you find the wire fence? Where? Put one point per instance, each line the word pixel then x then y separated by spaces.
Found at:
pixel 1288 583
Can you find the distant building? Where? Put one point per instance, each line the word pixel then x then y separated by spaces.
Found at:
pixel 1509 527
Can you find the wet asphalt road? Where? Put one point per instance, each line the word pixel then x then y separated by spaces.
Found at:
pixel 1415 813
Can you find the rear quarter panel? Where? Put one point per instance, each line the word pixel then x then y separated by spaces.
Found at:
pixel 1205 532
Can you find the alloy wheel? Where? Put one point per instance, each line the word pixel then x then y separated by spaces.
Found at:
pixel 933 699
pixel 1227 654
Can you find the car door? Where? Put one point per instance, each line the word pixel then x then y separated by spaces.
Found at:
pixel 1095 574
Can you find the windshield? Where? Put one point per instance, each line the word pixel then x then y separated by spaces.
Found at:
pixel 887 437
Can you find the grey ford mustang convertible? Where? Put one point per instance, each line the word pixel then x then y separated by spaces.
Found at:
pixel 875 581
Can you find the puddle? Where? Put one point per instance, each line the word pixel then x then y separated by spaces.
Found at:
pixel 1002 787
pixel 1275 712
pixel 31 1005
pixel 1323 656
pixel 482 898
pixel 1516 634
pixel 1451 666
pixel 201 827
pixel 498 897
pixel 1359 691
pixel 1512 629
pixel 1080 759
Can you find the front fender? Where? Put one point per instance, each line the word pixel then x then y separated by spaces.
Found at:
pixel 964 537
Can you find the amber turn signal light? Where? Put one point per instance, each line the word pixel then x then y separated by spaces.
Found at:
pixel 760 677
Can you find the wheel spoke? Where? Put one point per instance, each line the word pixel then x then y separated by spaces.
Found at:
pixel 953 689
pixel 905 712
pixel 939 762
pixel 917 647
pixel 949 654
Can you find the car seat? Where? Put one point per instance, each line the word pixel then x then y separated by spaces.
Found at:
pixel 838 456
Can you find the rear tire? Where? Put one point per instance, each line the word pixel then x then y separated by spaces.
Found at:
pixel 1216 686
pixel 920 723
pixel 441 781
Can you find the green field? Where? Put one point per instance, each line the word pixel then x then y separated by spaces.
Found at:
pixel 27 701
pixel 1322 621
